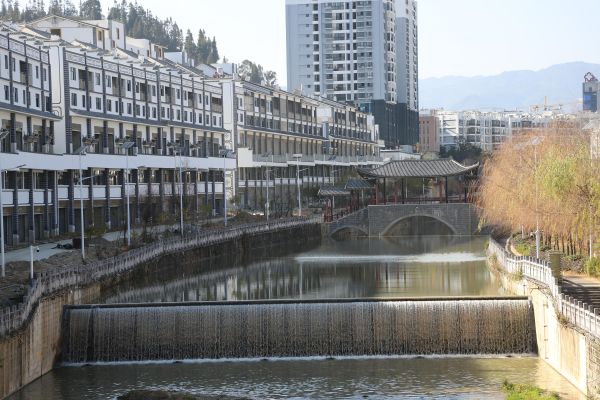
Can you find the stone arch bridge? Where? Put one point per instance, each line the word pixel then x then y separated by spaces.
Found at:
pixel 380 220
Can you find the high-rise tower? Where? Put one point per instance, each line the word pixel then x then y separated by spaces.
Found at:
pixel 361 52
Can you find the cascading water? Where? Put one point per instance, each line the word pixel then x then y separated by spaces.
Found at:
pixel 297 329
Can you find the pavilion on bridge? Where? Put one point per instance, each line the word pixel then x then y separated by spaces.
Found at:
pixel 420 181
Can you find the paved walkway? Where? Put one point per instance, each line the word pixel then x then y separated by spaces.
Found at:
pixel 48 250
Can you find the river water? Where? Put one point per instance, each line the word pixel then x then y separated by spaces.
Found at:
pixel 395 267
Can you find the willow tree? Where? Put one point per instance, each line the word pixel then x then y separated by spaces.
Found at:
pixel 544 180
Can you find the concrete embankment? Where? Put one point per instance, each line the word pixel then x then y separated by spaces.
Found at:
pixel 32 351
pixel 569 349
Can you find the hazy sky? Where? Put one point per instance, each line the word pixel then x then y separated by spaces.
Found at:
pixel 456 37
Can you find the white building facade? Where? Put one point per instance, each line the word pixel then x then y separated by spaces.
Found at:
pixel 152 133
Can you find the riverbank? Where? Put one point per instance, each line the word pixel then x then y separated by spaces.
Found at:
pixel 32 332
pixel 567 330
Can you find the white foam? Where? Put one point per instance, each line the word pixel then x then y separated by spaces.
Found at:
pixel 458 257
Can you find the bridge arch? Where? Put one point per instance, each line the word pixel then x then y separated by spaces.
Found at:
pixel 352 230
pixel 451 230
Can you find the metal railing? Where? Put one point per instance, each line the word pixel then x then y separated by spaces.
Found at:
pixel 577 313
pixel 55 279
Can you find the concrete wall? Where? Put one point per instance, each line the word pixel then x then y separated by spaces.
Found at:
pixel 32 352
pixel 569 351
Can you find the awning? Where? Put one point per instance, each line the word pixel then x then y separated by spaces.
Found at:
pixel 418 169
pixel 333 191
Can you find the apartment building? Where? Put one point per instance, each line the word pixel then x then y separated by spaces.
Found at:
pixel 485 129
pixel 286 140
pixel 73 105
pixel 429 137
pixel 359 52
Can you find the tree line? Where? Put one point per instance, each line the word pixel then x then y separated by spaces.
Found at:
pixel 139 23
pixel 549 179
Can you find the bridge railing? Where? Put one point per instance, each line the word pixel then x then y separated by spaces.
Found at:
pixel 577 313
pixel 55 279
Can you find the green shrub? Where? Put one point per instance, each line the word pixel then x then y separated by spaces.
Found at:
pixel 526 392
pixel 592 266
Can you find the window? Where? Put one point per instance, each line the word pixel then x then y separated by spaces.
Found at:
pixel 118 34
pixel 153 90
pixel 98 103
pixel 137 87
pixel 6 92
pixel 207 119
pixel 129 108
pixel 16 95
pixel 73 74
pixel 214 122
pixel 5 62
pixel 162 90
pixel 137 110
pixel 108 81
pixel 199 99
pixel 128 85
pixel 97 79
pixel 108 105
pixel 199 118
pixel 162 112
pixel 37 100
pixel 168 113
pixel 178 115
pixel 44 74
pixel 206 100
pixel 83 100
pixel 178 94
pixel 185 116
pixel 153 112
pixel 37 72
pixel 74 99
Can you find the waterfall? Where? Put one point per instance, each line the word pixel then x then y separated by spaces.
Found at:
pixel 297 329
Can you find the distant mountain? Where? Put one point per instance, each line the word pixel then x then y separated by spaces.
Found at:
pixel 561 84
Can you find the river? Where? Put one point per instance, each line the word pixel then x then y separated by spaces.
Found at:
pixel 395 267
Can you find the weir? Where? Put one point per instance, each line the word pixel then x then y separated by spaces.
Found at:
pixel 351 327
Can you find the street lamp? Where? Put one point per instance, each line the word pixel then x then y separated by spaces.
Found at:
pixel 178 150
pixel 3 134
pixel 268 205
pixel 2 171
pixel 298 157
pixel 126 146
pixel 87 143
pixel 225 153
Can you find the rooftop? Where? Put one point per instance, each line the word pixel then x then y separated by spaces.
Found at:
pixel 418 169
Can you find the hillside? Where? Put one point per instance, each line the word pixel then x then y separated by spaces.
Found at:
pixel 510 90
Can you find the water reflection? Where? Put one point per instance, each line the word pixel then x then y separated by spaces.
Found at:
pixel 445 378
pixel 394 267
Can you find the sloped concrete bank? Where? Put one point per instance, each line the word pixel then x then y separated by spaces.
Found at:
pixel 569 349
pixel 32 351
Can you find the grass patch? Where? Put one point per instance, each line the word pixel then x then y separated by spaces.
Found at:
pixel 523 248
pixel 526 392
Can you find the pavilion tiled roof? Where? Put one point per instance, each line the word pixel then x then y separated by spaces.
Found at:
pixel 418 169
pixel 357 184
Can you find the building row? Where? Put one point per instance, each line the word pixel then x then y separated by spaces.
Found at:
pixel 96 120
pixel 484 129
